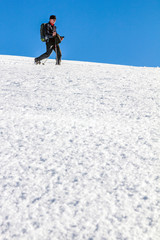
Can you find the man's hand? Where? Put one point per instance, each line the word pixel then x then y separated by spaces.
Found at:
pixel 54 34
pixel 62 38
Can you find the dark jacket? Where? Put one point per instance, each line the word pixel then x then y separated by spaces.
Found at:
pixel 49 30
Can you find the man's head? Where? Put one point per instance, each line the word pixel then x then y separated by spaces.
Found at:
pixel 52 19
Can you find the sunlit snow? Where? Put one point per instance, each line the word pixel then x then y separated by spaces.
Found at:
pixel 79 151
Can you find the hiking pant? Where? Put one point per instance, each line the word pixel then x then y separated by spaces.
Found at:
pixel 50 46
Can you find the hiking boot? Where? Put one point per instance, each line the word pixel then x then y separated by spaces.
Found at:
pixel 36 61
pixel 58 62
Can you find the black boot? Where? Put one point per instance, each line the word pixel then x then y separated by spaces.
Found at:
pixel 58 62
pixel 36 61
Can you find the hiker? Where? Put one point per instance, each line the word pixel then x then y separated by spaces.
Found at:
pixel 52 40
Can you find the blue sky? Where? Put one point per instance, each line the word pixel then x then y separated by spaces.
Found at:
pixel 109 31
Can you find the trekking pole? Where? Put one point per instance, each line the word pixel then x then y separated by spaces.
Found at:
pixel 56 51
pixel 44 62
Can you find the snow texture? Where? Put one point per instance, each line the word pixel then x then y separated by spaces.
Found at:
pixel 79 151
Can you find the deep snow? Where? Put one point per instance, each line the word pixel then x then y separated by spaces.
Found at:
pixel 79 151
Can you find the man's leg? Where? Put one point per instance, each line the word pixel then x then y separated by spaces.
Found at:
pixel 59 54
pixel 48 52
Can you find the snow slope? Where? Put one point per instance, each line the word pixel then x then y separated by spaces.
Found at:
pixel 79 151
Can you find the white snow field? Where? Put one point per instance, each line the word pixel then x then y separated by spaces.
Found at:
pixel 79 151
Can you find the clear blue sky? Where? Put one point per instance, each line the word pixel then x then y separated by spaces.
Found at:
pixel 109 31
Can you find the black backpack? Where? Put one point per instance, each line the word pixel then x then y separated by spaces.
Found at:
pixel 42 32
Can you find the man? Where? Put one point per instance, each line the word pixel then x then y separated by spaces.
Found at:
pixel 52 39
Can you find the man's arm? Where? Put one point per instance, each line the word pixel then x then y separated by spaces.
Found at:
pixel 48 33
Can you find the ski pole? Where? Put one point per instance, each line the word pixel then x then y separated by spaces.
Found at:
pixel 56 51
pixel 44 62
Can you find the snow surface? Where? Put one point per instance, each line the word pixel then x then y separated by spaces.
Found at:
pixel 79 151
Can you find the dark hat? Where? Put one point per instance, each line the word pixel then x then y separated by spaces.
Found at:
pixel 52 17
